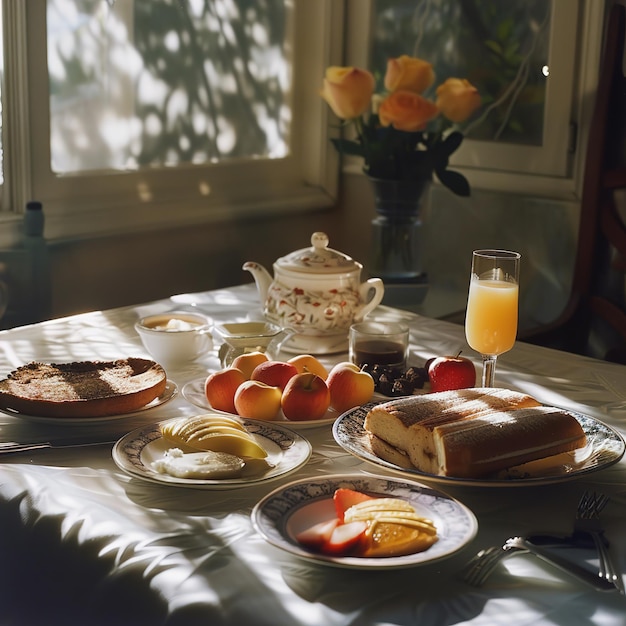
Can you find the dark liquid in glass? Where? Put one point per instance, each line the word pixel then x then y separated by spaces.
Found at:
pixel 379 353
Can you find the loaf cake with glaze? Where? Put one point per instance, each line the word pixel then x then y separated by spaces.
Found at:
pixel 469 433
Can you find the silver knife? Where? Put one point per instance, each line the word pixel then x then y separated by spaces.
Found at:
pixel 8 447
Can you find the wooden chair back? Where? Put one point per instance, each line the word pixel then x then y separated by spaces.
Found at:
pixel 594 319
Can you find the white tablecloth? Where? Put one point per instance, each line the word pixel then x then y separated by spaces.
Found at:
pixel 84 543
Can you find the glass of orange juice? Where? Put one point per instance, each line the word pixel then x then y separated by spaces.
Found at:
pixel 492 304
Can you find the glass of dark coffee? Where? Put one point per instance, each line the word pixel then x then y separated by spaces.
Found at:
pixel 379 343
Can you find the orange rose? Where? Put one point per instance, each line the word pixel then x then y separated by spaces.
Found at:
pixel 405 110
pixel 348 91
pixel 409 74
pixel 457 99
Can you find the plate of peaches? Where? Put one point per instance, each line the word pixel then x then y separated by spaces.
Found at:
pixel 364 521
pixel 300 392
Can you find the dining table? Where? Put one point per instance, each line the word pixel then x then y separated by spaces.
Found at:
pixel 85 542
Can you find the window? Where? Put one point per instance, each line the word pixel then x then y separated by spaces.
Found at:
pixel 135 86
pixel 166 112
pixel 534 61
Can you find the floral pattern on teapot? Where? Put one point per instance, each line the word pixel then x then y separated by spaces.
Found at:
pixel 316 291
pixel 312 311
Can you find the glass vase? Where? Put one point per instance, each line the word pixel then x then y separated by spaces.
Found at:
pixel 396 231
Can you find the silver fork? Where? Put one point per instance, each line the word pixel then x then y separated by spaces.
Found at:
pixel 480 566
pixel 588 522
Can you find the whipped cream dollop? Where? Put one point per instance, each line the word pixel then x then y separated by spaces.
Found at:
pixel 208 465
pixel 177 324
pixel 199 464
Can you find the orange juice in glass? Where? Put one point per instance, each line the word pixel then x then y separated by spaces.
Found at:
pixel 492 305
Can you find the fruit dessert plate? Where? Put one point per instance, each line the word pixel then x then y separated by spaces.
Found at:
pixel 288 512
pixel 139 452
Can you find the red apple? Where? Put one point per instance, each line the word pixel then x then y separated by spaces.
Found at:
pixel 318 535
pixel 257 400
pixel 220 388
pixel 349 386
pixel 306 397
pixel 274 373
pixel 451 372
pixel 345 538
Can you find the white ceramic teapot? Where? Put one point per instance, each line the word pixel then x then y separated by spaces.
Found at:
pixel 316 291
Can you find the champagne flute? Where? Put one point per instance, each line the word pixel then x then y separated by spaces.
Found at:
pixel 492 302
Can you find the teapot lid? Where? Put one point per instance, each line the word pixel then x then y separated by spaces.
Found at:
pixel 318 259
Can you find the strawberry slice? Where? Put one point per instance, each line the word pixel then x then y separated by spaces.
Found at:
pixel 345 538
pixel 345 498
pixel 318 535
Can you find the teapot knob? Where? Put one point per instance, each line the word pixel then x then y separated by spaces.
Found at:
pixel 319 240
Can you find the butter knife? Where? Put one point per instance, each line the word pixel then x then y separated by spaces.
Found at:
pixel 12 447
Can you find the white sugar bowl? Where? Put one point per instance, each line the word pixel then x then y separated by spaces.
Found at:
pixel 175 336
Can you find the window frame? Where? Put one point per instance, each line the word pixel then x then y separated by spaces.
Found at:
pixel 554 170
pixel 104 203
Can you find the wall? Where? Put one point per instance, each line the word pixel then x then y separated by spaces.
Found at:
pixel 105 273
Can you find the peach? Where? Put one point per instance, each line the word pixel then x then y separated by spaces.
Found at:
pixel 308 363
pixel 274 373
pixel 349 386
pixel 248 361
pixel 220 388
pixel 256 400
pixel 306 397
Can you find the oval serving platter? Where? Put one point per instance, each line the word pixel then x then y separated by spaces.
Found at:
pixel 604 448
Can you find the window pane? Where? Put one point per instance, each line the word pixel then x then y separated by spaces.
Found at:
pixel 500 47
pixel 145 83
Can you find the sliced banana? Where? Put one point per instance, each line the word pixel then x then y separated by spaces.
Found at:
pixel 394 527
pixel 239 445
pixel 389 510
pixel 186 426
pixel 215 433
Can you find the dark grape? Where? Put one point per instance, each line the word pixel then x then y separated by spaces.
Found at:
pixel 393 381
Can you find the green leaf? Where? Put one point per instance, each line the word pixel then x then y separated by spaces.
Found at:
pixel 453 141
pixel 455 182
pixel 494 46
pixel 504 30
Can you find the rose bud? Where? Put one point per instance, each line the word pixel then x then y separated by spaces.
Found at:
pixel 348 91
pixel 457 99
pixel 407 73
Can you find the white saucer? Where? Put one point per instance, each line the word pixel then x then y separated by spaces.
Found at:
pixel 315 344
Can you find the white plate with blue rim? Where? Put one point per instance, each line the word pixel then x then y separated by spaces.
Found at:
pixel 292 508
pixel 136 453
